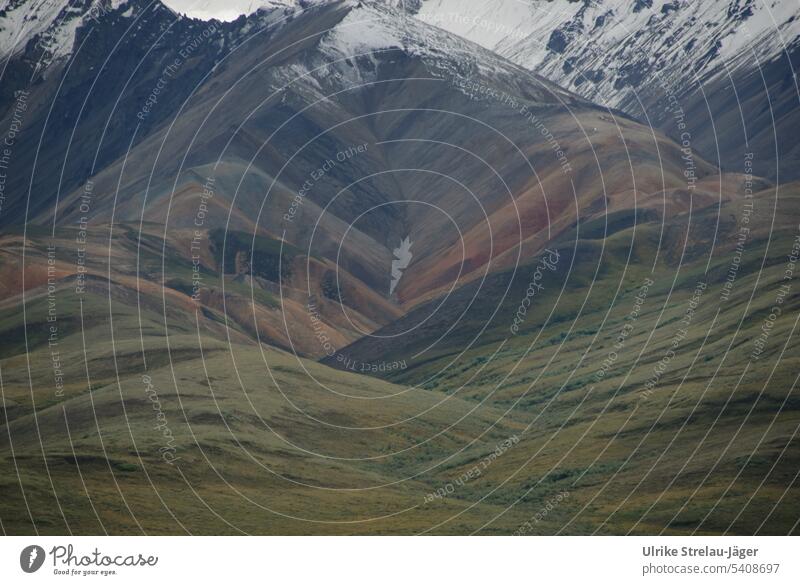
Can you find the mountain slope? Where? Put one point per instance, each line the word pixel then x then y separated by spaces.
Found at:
pixel 661 390
pixel 660 61
pixel 328 269
pixel 348 136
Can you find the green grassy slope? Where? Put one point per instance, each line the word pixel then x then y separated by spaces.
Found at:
pixel 583 421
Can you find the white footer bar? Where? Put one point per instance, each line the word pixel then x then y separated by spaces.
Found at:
pixel 399 560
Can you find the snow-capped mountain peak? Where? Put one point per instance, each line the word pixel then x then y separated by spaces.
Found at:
pixel 229 10
pixel 51 24
pixel 604 48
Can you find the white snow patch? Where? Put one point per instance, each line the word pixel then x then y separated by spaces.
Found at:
pixel 224 10
pixel 54 22
pixel 608 35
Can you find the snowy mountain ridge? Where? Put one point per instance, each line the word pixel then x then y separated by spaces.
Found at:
pixel 604 49
pixel 225 11
pixel 51 22
pixel 49 27
pixel 353 51
pixel 729 65
pixel 601 49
